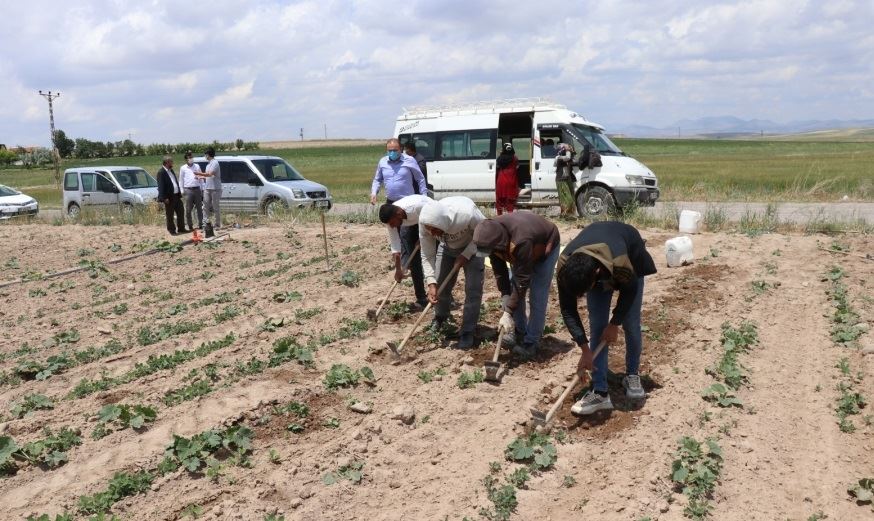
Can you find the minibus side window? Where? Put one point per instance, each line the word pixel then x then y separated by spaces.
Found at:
pixel 468 144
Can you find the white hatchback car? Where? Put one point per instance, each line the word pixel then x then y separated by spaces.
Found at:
pixel 14 203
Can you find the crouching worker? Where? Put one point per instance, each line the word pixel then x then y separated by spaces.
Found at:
pixel 402 218
pixel 452 221
pixel 530 244
pixel 605 257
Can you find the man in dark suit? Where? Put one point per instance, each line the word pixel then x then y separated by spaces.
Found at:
pixel 170 193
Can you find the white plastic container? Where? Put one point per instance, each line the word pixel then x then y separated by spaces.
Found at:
pixel 679 251
pixel 690 221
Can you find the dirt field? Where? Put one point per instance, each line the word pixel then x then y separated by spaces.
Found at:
pixel 785 456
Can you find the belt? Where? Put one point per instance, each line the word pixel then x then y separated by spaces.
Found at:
pixel 192 188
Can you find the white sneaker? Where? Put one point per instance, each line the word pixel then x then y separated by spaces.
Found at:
pixel 592 402
pixel 633 389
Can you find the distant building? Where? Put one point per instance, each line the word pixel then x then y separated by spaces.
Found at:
pixel 2 146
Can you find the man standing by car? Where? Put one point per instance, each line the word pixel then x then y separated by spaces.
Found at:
pixel 605 257
pixel 191 183
pixel 452 221
pixel 401 176
pixel 410 150
pixel 404 214
pixel 170 193
pixel 529 243
pixel 213 189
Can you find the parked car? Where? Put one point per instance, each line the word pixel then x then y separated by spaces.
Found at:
pixel 266 184
pixel 14 203
pixel 460 144
pixel 122 186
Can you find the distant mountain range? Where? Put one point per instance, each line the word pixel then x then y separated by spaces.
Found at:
pixel 727 126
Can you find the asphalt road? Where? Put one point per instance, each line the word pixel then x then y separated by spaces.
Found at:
pixel 798 213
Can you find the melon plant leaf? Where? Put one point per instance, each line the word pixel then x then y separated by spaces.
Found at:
pixel 109 413
pixel 329 479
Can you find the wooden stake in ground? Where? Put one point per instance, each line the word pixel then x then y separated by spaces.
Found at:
pixel 325 236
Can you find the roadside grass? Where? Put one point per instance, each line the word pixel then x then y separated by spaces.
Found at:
pixel 688 169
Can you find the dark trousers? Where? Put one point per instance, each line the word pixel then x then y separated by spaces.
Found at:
pixel 409 239
pixel 193 201
pixel 173 205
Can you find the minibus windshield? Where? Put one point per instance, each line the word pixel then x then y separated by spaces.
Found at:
pixel 595 137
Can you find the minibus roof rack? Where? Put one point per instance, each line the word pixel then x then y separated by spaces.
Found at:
pixel 483 107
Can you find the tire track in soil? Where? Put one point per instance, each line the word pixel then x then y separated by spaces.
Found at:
pixel 789 459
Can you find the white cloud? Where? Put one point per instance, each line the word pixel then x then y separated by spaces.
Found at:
pixel 263 69
pixel 231 97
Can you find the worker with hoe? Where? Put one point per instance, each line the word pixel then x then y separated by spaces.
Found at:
pixel 401 176
pixel 530 244
pixel 605 257
pixel 452 221
pixel 399 217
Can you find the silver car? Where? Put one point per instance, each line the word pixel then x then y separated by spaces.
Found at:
pixel 122 186
pixel 266 184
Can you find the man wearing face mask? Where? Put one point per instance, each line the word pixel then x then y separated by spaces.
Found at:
pixel 400 175
pixel 192 185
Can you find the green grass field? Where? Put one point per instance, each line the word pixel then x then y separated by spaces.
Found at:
pixel 711 170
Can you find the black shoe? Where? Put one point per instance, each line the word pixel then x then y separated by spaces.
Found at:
pixel 525 351
pixel 465 341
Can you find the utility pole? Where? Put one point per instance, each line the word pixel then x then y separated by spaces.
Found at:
pixel 55 154
pixel 301 133
pixel 326 131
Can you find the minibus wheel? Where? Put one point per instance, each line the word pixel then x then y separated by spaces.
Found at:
pixel 595 200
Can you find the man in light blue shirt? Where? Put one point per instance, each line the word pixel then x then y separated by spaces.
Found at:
pixel 401 176
pixel 399 173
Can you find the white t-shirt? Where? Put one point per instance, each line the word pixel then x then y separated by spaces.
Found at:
pixel 189 180
pixel 214 182
pixel 412 205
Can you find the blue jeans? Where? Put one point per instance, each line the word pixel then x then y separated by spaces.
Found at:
pixel 598 301
pixel 474 271
pixel 531 327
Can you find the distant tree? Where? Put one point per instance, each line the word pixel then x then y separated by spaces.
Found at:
pixel 239 143
pixel 83 149
pixel 7 157
pixel 64 144
pixel 128 148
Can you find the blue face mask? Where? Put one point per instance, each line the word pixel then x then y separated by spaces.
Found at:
pixel 394 155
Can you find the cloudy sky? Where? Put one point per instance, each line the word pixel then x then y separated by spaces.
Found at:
pixel 260 70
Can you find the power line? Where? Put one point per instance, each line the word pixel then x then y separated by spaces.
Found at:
pixel 55 154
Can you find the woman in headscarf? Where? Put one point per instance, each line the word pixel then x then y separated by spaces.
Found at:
pixel 506 180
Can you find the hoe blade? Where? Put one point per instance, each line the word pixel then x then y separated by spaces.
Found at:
pixel 494 371
pixel 538 417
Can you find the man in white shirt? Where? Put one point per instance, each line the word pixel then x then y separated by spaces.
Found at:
pixel 191 183
pixel 452 220
pixel 213 192
pixel 401 217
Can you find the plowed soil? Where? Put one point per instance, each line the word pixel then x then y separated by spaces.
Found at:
pixel 785 457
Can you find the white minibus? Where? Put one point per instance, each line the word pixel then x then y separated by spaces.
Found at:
pixel 460 144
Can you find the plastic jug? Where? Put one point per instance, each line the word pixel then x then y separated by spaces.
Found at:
pixel 690 221
pixel 679 251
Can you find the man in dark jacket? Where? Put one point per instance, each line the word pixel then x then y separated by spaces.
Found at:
pixel 605 257
pixel 530 244
pixel 410 150
pixel 170 193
